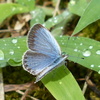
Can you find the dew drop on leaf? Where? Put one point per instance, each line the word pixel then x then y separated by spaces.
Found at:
pixel 75 50
pixel 50 20
pixel 5 44
pixel 99 66
pixel 44 24
pixel 60 35
pixel 74 43
pixel 86 53
pixel 72 2
pixel 3 40
pixel 14 40
pixel 98 52
pixel 90 47
pixel 60 82
pixel 99 72
pixel 18 47
pixel 92 66
pixel 55 21
pixel 63 43
pixel 1 55
pixel 32 12
pixel 11 52
pixel 13 9
pixel 61 27
pixel 81 43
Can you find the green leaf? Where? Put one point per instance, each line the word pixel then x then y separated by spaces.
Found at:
pixel 62 85
pixel 78 6
pixel 14 62
pixel 57 19
pixel 90 15
pixel 30 4
pixel 10 9
pixel 38 16
pixel 59 28
pixel 63 82
pixel 85 51
pixel 79 47
pixel 11 50
pixel 48 10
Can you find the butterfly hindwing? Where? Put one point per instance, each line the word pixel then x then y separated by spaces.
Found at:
pixel 36 62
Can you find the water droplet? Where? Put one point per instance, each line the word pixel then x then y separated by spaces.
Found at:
pixel 5 44
pixel 72 2
pixel 50 20
pixel 99 66
pixel 81 43
pixel 61 27
pixel 1 55
pixel 86 53
pixel 55 21
pixel 99 72
pixel 60 35
pixel 11 52
pixel 13 9
pixel 98 52
pixel 14 40
pixel 37 20
pixel 55 18
pixel 90 47
pixel 24 40
pixel 60 82
pixel 43 25
pixel 74 43
pixel 73 39
pixel 92 66
pixel 18 47
pixel 75 50
pixel 32 12
pixel 63 43
pixel 20 9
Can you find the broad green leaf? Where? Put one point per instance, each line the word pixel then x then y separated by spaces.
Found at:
pixel 57 19
pixel 59 28
pixel 79 47
pixel 10 9
pixel 38 16
pixel 90 15
pixel 48 11
pixel 78 6
pixel 11 51
pixel 85 51
pixel 62 85
pixel 30 4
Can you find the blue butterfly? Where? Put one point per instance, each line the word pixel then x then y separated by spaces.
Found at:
pixel 44 53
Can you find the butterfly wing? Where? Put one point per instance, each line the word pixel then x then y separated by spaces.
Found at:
pixel 34 62
pixel 41 41
pixel 51 67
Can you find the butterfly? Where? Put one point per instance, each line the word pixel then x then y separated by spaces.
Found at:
pixel 44 54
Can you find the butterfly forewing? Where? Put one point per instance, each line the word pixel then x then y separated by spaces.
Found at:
pixel 41 41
